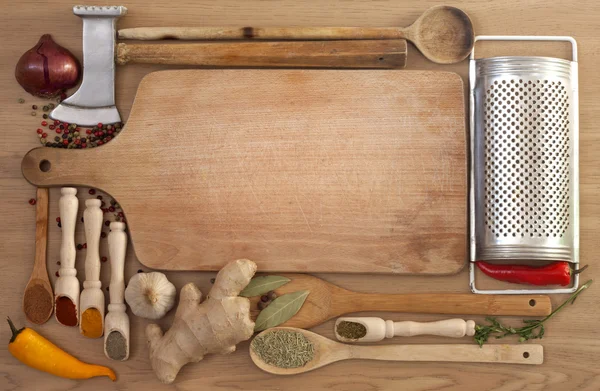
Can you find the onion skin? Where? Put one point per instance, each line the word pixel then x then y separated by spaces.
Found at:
pixel 47 69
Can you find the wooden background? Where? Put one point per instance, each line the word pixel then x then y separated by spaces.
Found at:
pixel 572 343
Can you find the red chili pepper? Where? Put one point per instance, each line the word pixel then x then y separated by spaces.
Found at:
pixel 556 273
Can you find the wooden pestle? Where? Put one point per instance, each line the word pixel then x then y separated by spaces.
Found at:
pixel 377 329
pixel 117 319
pixel 92 295
pixel 67 284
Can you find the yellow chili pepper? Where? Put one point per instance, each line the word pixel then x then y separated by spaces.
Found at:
pixel 37 352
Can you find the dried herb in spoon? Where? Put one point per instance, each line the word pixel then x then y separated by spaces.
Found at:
pixel 533 328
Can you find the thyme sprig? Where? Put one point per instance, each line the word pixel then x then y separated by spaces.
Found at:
pixel 532 328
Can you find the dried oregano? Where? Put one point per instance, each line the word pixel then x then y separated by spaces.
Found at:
pixel 283 348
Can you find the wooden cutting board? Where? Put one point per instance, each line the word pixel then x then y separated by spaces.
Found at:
pixel 298 170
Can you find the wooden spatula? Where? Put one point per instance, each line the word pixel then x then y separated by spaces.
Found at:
pixel 326 301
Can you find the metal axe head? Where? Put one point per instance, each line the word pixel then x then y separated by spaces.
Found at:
pixel 94 101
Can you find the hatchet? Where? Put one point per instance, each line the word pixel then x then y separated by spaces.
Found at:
pixel 94 101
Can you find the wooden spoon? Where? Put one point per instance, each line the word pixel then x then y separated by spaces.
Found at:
pixel 38 292
pixel 327 351
pixel 326 301
pixel 443 34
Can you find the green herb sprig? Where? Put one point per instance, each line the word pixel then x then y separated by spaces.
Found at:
pixel 533 328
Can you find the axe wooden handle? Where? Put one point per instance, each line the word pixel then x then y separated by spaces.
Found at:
pixel 269 33
pixel 300 54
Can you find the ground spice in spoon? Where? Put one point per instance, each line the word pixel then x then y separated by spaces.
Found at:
pixel 351 330
pixel 37 304
pixel 66 313
pixel 116 346
pixel 91 323
pixel 283 348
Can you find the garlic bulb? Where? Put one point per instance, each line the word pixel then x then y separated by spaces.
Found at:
pixel 150 295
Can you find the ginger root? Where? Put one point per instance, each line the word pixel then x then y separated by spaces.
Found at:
pixel 215 326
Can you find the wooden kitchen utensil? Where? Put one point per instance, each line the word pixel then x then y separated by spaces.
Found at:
pixel 67 284
pixel 326 301
pixel 327 351
pixel 92 295
pixel 443 34
pixel 117 320
pixel 376 329
pixel 299 170
pixel 38 300
pixel 325 54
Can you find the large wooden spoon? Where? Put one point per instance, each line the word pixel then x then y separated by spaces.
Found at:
pixel 443 34
pixel 326 301
pixel 327 351
pixel 38 298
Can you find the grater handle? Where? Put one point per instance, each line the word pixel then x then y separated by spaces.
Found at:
pixel 527 38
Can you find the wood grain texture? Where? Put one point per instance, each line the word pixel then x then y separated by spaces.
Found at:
pixel 443 34
pixel 571 344
pixel 327 351
pixel 326 301
pixel 298 170
pixel 39 274
pixel 326 54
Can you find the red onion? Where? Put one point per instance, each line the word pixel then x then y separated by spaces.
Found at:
pixel 47 69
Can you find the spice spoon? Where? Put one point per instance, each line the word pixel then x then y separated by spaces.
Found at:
pixel 376 329
pixel 67 284
pixel 38 292
pixel 327 351
pixel 443 34
pixel 117 320
pixel 92 297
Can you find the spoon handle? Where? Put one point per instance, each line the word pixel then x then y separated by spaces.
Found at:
pixel 444 303
pixel 271 33
pixel 93 228
pixel 502 354
pixel 117 247
pixel 452 328
pixel 41 234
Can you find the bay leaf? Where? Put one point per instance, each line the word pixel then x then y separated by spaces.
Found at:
pixel 280 310
pixel 263 284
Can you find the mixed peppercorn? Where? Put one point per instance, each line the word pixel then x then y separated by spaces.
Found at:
pixel 71 136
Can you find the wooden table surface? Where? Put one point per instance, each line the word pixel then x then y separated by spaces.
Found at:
pixel 572 343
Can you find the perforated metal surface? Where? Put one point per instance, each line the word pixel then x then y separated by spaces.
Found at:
pixel 527 158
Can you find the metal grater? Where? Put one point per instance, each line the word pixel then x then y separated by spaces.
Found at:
pixel 524 184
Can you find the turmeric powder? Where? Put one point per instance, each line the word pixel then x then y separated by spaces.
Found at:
pixel 91 323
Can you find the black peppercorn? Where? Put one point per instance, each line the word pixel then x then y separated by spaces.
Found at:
pixel 65 136
pixel 264 298
pixel 57 139
pixel 272 295
pixel 34 107
pixel 262 305
pixel 140 271
pixel 212 280
pixel 45 116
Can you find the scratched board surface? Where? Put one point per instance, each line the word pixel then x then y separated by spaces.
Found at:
pixel 299 170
